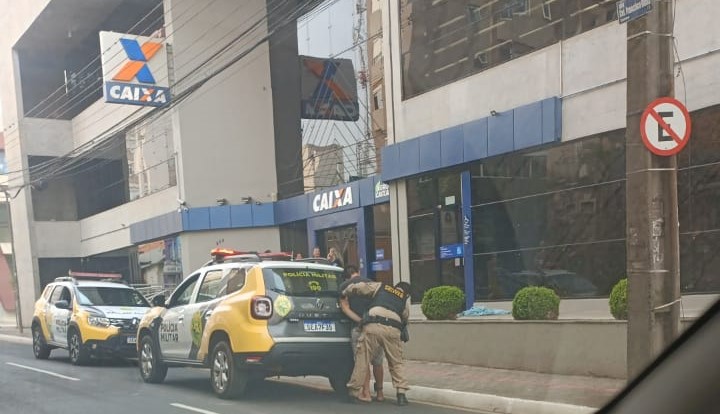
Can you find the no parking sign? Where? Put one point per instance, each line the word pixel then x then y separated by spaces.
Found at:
pixel 665 126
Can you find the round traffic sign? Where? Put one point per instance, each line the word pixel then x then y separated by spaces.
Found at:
pixel 665 126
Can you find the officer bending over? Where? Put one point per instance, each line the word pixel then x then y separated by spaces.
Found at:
pixel 382 325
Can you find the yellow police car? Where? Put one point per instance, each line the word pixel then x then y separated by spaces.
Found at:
pixel 88 318
pixel 247 317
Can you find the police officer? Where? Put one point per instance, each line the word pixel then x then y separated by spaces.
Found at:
pixel 383 323
pixel 355 308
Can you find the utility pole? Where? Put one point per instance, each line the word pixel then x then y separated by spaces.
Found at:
pixel 653 257
pixel 16 287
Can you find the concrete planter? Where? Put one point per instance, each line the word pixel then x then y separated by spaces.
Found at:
pixel 568 347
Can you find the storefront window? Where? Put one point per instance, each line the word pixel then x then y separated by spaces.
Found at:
pixel 699 204
pixel 434 204
pixel 443 41
pixel 554 217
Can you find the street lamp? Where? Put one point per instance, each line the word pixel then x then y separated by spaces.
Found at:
pixel 16 288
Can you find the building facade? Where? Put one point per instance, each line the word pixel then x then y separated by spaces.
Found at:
pixel 506 160
pixel 500 125
pixel 86 171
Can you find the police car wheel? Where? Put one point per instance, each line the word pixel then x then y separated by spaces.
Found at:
pixel 40 348
pixel 79 354
pixel 227 380
pixel 152 369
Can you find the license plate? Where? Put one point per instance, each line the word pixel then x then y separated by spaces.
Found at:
pixel 319 326
pixel 131 339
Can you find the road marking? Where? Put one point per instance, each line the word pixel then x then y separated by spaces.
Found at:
pixel 54 374
pixel 189 408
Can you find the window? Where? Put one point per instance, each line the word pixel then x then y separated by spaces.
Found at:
pixel 444 41
pixel 302 281
pixel 378 102
pixel 211 286
pixel 56 294
pixel 183 294
pixel 553 218
pixel 109 296
pixel 235 278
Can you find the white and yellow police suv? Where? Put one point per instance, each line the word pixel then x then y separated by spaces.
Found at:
pixel 247 317
pixel 87 318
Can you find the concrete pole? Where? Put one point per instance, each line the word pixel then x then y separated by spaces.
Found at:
pixel 16 287
pixel 653 257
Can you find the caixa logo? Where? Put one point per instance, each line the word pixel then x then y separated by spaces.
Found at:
pixel 145 90
pixel 332 199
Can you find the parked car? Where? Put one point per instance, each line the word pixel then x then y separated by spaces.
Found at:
pixel 249 317
pixel 88 318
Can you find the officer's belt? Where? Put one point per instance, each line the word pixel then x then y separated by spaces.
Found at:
pixel 384 321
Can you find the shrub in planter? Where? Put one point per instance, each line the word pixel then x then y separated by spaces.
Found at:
pixel 618 300
pixel 536 303
pixel 442 302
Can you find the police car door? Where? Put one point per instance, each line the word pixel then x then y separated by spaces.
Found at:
pixel 60 316
pixel 199 310
pixel 173 328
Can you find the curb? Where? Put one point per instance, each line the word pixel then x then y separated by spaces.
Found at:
pixel 16 339
pixel 463 400
pixel 490 403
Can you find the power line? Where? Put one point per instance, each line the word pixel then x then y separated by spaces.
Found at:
pixel 89 143
pixel 186 93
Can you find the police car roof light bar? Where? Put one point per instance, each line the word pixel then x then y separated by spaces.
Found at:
pixel 66 279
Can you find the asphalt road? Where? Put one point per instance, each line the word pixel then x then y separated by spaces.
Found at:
pixel 55 386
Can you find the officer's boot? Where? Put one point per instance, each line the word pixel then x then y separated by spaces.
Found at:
pixel 402 399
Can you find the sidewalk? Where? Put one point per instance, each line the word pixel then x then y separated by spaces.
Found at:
pixel 475 388
pixel 496 390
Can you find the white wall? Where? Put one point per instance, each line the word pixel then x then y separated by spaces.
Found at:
pixel 99 117
pixel 226 133
pixel 103 232
pixel 110 230
pixel 47 137
pixel 532 78
pixel 196 246
pixel 57 238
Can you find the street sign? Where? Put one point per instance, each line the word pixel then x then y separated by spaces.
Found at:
pixel 665 126
pixel 628 10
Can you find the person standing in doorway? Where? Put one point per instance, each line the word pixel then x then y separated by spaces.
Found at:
pixel 382 329
pixel 334 258
pixel 316 253
pixel 355 308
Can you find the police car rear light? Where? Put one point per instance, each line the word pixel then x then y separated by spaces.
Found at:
pixel 261 307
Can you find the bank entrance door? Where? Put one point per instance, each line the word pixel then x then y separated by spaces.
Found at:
pixel 344 240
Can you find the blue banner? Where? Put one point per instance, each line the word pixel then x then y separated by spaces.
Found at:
pixel 451 251
pixel 628 10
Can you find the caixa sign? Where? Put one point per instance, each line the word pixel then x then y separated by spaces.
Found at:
pixel 333 199
pixel 117 92
pixel 135 69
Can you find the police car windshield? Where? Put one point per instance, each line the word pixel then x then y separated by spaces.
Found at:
pixel 302 281
pixel 108 296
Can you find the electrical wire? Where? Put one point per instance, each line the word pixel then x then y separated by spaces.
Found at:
pixel 82 147
pixel 196 86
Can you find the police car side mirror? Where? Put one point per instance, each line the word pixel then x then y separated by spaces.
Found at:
pixel 158 300
pixel 62 304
